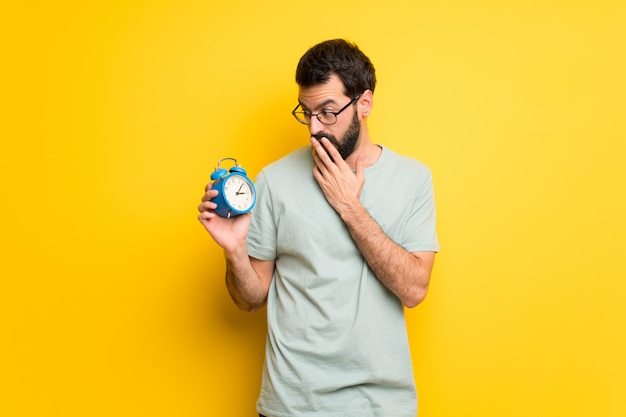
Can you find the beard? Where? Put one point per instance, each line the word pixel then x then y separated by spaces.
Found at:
pixel 350 138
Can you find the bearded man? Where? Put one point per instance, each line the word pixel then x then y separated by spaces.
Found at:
pixel 341 240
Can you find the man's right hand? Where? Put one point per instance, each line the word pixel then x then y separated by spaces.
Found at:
pixel 228 233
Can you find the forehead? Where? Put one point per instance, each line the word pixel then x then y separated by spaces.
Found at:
pixel 330 92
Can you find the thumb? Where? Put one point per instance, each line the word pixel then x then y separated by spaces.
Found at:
pixel 359 170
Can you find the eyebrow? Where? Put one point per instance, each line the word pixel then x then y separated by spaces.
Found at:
pixel 323 104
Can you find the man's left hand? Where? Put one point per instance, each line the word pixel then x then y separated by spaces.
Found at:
pixel 340 184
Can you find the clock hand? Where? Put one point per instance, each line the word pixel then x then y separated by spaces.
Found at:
pixel 238 191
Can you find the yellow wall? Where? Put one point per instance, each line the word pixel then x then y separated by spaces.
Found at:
pixel 114 114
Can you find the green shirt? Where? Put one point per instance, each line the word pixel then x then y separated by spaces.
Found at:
pixel 337 344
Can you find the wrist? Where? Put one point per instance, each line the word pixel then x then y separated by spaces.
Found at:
pixel 353 212
pixel 237 250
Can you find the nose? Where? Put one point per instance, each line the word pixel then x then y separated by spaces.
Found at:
pixel 315 126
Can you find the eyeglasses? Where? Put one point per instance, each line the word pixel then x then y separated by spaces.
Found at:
pixel 325 117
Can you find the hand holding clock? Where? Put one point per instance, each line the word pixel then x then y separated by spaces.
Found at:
pixel 341 186
pixel 227 232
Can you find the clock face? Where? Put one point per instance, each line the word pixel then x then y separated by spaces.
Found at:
pixel 238 193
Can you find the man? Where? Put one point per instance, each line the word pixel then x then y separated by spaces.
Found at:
pixel 341 238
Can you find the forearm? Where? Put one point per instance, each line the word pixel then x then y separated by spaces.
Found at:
pixel 244 285
pixel 403 273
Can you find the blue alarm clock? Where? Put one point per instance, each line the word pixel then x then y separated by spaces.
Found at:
pixel 236 192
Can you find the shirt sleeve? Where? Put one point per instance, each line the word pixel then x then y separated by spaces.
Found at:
pixel 261 237
pixel 420 234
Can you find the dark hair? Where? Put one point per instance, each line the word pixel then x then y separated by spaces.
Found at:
pixel 339 57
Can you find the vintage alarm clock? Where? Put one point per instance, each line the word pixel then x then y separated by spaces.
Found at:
pixel 236 192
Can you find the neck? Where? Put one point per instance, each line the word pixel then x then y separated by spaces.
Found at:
pixel 370 151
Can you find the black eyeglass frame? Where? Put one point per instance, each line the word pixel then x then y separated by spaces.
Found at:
pixel 326 112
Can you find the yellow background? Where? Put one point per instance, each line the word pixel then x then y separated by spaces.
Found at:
pixel 114 114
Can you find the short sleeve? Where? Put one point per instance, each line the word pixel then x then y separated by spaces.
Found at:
pixel 420 234
pixel 261 237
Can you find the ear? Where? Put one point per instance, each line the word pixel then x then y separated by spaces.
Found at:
pixel 366 101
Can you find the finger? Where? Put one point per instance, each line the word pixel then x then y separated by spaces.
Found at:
pixel 320 166
pixel 321 152
pixel 330 149
pixel 358 167
pixel 316 158
pixel 317 168
pixel 209 195
pixel 317 173
pixel 206 215
pixel 207 206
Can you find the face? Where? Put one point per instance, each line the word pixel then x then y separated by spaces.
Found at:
pixel 329 96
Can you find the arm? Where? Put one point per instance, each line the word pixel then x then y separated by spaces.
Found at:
pixel 247 279
pixel 406 274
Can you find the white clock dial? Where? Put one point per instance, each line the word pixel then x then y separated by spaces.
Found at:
pixel 238 193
